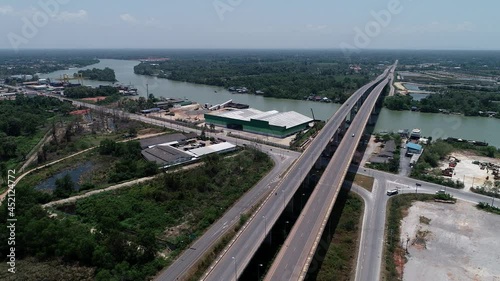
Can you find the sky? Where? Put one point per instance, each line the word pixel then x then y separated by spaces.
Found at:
pixel 249 24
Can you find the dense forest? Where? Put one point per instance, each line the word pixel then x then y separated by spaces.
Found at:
pixel 119 234
pixel 20 122
pixel 469 103
pixel 276 75
pixel 34 63
pixel 87 92
pixel 106 74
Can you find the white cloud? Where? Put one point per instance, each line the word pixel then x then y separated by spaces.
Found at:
pixel 6 10
pixel 72 17
pixel 435 27
pixel 150 22
pixel 313 27
pixel 129 19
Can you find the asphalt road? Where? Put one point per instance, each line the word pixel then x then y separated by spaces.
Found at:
pixel 282 158
pixel 240 251
pixel 297 253
pixel 372 233
pixel 188 258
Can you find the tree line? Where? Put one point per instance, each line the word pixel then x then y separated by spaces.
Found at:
pixel 106 74
pixel 81 92
pixel 279 76
pixel 467 102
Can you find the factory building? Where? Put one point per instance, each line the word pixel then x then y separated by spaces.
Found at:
pixel 271 123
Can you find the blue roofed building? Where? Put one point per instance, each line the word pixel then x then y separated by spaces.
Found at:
pixel 413 148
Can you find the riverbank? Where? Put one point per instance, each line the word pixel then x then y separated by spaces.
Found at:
pixel 432 124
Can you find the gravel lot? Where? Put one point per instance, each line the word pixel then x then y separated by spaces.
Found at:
pixel 468 171
pixel 458 243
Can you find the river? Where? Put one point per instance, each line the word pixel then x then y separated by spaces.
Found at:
pixel 435 125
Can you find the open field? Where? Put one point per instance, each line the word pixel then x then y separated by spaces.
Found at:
pixel 450 242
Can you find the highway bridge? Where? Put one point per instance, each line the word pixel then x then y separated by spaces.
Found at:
pixel 298 251
pixel 241 249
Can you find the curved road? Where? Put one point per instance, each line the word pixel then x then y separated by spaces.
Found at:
pixel 372 233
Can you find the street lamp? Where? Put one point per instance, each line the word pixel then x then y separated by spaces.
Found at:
pixel 265 225
pixel 284 204
pixel 258 271
pixel 235 270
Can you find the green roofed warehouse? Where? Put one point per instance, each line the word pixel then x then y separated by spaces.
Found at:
pixel 271 123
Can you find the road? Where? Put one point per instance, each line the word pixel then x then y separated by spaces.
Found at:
pixel 263 189
pixel 392 90
pixel 240 251
pixel 282 158
pixel 19 178
pixel 372 232
pixel 297 253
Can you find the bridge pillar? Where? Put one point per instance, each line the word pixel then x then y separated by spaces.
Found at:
pixel 353 114
pixel 371 120
pixel 336 135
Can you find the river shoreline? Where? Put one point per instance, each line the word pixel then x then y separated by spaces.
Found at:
pixel 436 125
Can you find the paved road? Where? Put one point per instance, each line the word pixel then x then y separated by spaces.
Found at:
pixel 240 251
pixel 181 266
pixel 392 90
pixel 282 158
pixel 372 233
pixel 295 256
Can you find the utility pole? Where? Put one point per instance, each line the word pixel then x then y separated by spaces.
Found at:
pixel 312 113
pixel 147 92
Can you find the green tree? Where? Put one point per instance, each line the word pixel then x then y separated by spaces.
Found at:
pixel 64 186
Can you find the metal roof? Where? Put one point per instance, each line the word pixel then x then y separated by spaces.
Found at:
pixel 164 155
pixel 275 118
pixel 161 140
pixel 287 119
pixel 414 146
pixel 223 146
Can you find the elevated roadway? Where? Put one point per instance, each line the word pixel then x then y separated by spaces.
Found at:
pixel 297 253
pixel 240 251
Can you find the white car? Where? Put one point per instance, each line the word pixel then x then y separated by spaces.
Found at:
pixel 392 192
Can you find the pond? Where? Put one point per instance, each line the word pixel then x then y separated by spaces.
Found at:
pixel 75 174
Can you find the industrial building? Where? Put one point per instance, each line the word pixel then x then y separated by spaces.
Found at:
pixel 167 151
pixel 271 123
pixel 216 148
pixel 165 155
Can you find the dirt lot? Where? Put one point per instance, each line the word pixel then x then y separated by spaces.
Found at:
pixel 468 171
pixel 451 242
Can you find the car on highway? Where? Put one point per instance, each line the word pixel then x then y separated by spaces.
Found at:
pixel 392 192
pixel 442 191
pixel 353 135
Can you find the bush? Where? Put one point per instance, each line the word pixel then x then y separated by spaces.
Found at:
pixel 488 208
